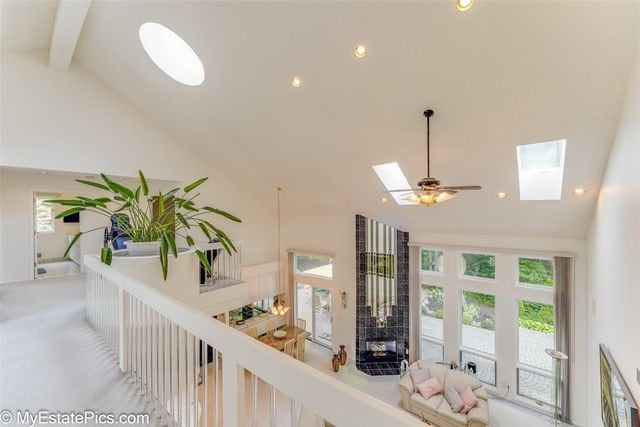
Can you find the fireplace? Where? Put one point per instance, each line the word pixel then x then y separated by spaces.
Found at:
pixel 381 350
pixel 382 299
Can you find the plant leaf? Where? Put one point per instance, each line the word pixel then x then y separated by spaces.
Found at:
pixel 67 202
pixel 205 230
pixel 73 242
pixel 160 204
pixel 194 184
pixel 137 194
pixel 117 188
pixel 171 242
pixel 190 241
pixel 143 183
pixel 164 262
pixel 93 184
pixel 204 260
pixel 69 212
pixel 92 202
pixel 222 213
pixel 183 220
pixel 106 255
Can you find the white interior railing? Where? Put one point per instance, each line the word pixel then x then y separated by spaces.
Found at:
pixel 161 343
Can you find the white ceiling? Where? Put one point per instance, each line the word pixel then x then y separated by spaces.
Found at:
pixel 503 74
pixel 27 24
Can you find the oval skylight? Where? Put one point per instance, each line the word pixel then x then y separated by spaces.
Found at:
pixel 172 54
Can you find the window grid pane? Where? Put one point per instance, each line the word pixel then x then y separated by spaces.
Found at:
pixel 432 312
pixel 536 333
pixel 485 368
pixel 317 265
pixel 431 350
pixel 478 322
pixel 536 272
pixel 44 215
pixel 537 387
pixel 432 261
pixel 479 265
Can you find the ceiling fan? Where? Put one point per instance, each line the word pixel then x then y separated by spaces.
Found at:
pixel 429 191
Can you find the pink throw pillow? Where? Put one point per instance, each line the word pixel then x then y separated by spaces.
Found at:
pixel 430 388
pixel 469 398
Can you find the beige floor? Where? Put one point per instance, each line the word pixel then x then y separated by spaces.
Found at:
pixel 57 269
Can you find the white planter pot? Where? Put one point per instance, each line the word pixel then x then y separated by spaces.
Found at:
pixel 142 248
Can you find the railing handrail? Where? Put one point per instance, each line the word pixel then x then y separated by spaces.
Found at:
pixel 324 395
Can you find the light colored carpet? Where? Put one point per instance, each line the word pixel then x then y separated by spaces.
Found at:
pixel 50 358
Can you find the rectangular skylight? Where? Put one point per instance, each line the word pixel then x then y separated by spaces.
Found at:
pixel 540 170
pixel 393 179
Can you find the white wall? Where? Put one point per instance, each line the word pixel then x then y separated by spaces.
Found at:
pixel 613 253
pixel 71 121
pixel 330 234
pixel 52 245
pixel 16 220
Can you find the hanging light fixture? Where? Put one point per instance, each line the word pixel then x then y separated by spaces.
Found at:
pixel 429 191
pixel 279 307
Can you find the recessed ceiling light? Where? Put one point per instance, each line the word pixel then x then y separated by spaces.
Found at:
pixel 464 5
pixel 360 51
pixel 383 199
pixel 501 195
pixel 171 54
pixel 296 82
pixel 579 191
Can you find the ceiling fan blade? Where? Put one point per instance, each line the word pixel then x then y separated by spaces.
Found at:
pixel 405 190
pixel 460 187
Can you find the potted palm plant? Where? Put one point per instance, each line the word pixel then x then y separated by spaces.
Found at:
pixel 152 222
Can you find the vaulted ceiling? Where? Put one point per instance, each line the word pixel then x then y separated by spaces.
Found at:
pixel 500 75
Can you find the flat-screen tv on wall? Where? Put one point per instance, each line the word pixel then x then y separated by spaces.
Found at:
pixel 617 405
pixel 72 218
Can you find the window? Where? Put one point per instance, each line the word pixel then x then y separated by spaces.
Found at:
pixel 536 332
pixel 540 170
pixel 315 265
pixel 45 217
pixel 485 367
pixel 536 272
pixel 479 265
pixel 478 322
pixel 432 261
pixel 314 306
pixel 394 179
pixel 432 317
pixel 478 334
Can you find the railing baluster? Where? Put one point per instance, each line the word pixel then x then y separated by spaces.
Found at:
pixel 254 400
pixel 216 406
pixel 187 398
pixel 196 373
pixel 204 350
pixel 272 406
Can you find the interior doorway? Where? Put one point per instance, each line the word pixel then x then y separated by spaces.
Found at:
pixel 51 237
pixel 314 305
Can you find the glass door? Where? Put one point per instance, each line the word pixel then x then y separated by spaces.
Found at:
pixel 314 306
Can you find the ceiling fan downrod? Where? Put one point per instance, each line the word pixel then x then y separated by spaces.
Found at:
pixel 428 114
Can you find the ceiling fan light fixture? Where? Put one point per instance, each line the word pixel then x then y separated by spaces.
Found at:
pixel 429 198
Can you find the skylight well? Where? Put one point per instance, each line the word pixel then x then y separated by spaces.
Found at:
pixel 171 54
pixel 393 179
pixel 540 170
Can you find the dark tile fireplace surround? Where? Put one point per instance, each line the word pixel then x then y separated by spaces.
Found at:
pixel 379 350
